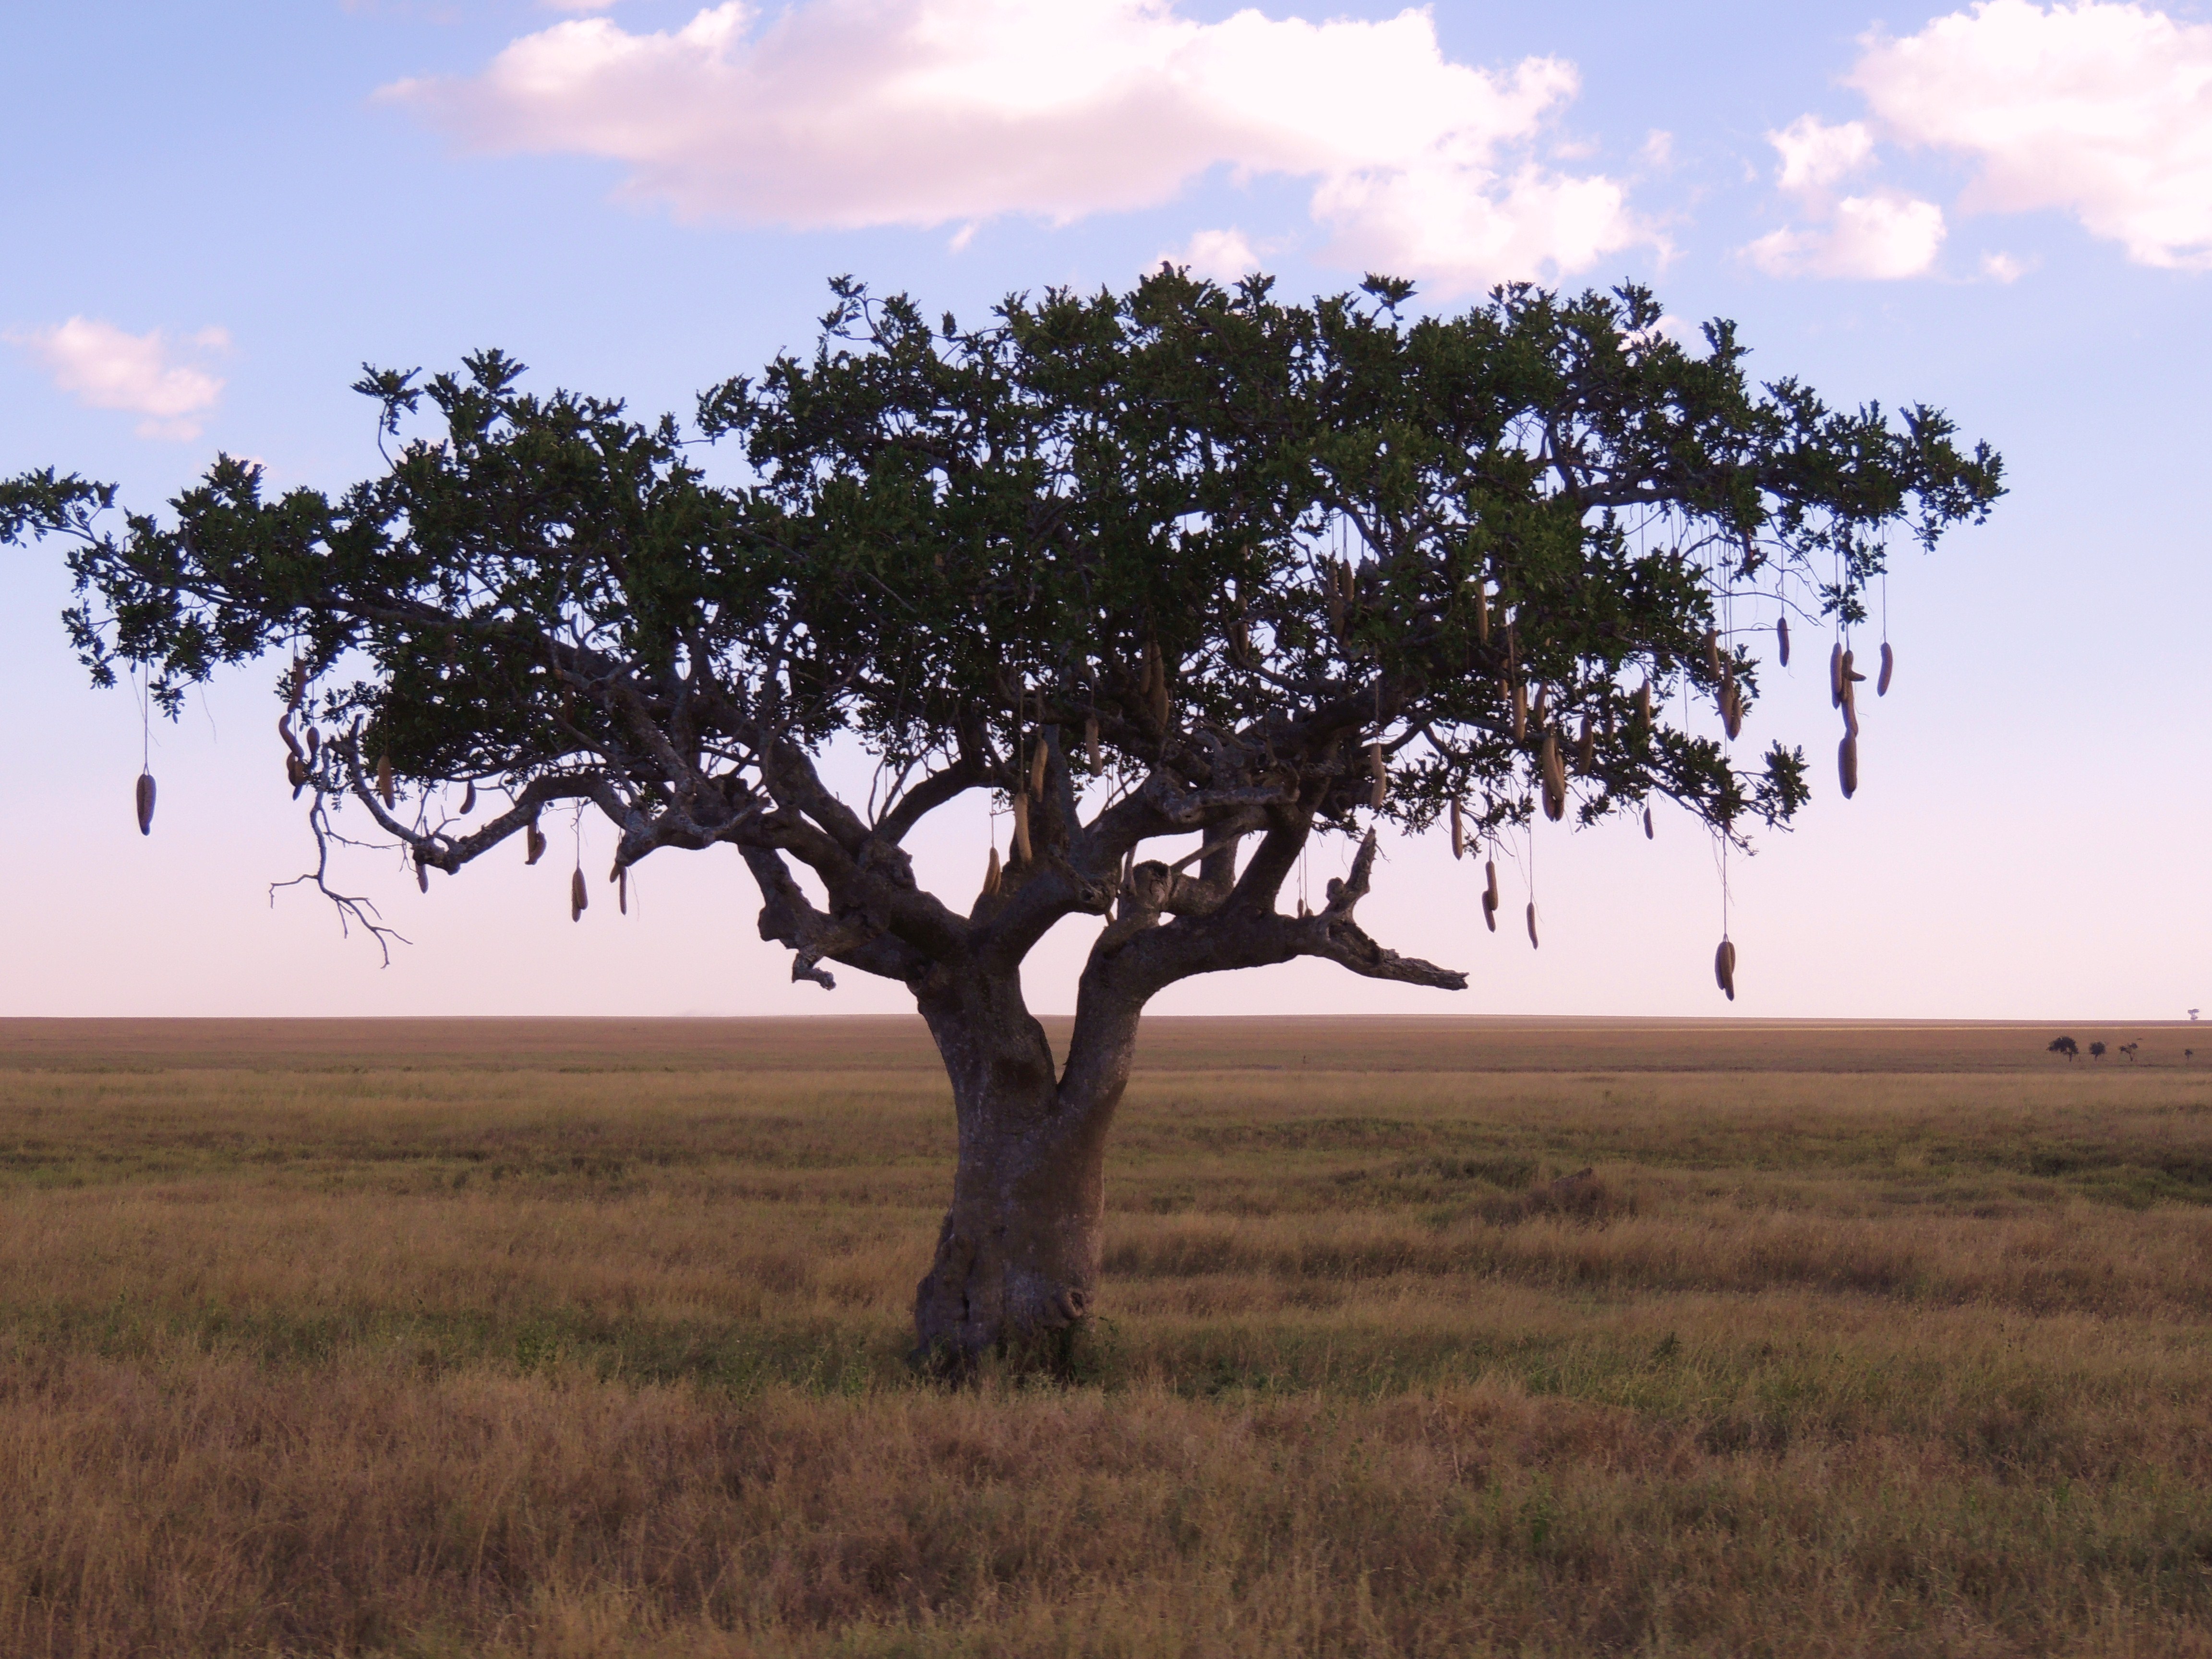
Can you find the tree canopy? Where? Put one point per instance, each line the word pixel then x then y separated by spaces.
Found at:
pixel 1319 527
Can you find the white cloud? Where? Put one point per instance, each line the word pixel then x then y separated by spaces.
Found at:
pixel 1815 155
pixel 1431 222
pixel 1881 237
pixel 2002 267
pixel 103 366
pixel 929 112
pixel 2103 111
pixel 1222 255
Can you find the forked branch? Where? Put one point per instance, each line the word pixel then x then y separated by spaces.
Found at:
pixel 354 910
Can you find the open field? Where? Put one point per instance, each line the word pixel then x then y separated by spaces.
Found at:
pixel 583 1338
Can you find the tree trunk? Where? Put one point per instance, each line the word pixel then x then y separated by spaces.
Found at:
pixel 1016 1266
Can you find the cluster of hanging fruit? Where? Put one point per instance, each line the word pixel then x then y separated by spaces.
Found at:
pixel 1032 760
pixel 1491 898
pixel 1343 597
pixel 1550 770
pixel 1844 679
pixel 1032 767
pixel 302 750
pixel 1729 697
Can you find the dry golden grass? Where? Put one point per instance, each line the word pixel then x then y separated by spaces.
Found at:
pixel 579 1338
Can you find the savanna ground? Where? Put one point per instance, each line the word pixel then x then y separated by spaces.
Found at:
pixel 576 1338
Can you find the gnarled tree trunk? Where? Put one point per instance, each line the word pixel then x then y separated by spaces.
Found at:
pixel 1016 1266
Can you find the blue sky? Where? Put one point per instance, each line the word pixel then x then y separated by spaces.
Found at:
pixel 217 212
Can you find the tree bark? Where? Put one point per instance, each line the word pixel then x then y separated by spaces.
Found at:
pixel 1016 1266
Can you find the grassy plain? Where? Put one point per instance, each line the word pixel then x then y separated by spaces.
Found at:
pixel 584 1338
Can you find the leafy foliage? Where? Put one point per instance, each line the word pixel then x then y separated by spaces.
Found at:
pixel 1329 524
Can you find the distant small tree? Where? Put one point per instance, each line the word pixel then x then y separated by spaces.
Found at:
pixel 2096 1051
pixel 2067 1047
pixel 1183 563
pixel 2129 1050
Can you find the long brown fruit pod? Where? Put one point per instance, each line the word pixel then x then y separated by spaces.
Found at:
pixel 1554 777
pixel 1782 638
pixel 1888 667
pixel 1458 832
pixel 1836 674
pixel 468 797
pixel 284 730
pixel 1724 968
pixel 145 803
pixel 1533 945
pixel 533 842
pixel 1481 612
pixel 1379 778
pixel 1647 824
pixel 1036 768
pixel 1847 765
pixel 991 876
pixel 1489 880
pixel 1586 748
pixel 1520 711
pixel 622 891
pixel 1490 912
pixel 1022 828
pixel 384 780
pixel 422 875
pixel 1713 651
pixel 1643 702
pixel 578 898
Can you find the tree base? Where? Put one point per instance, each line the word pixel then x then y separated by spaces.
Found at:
pixel 1000 1293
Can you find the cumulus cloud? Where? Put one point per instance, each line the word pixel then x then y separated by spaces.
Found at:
pixel 1815 155
pixel 2102 111
pixel 1879 238
pixel 105 367
pixel 1879 235
pixel 1223 255
pixel 929 112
